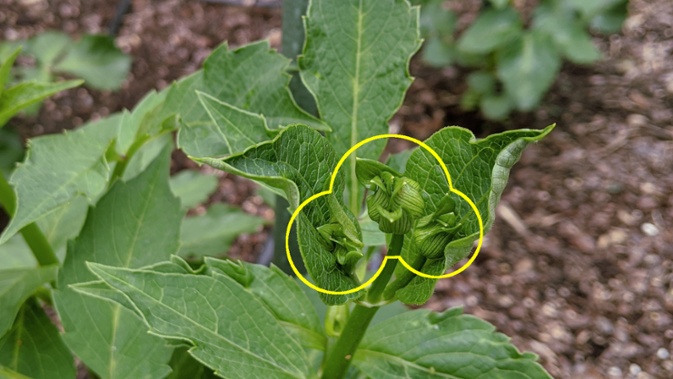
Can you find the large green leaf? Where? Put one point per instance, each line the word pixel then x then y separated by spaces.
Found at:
pixel 355 62
pixel 25 94
pixel 424 344
pixel 282 296
pixel 34 348
pixel 58 168
pixel 251 78
pixel 97 60
pixel 213 232
pixel 229 329
pixel 300 162
pixel 492 29
pixel 528 67
pixel 479 169
pixel 135 224
pixel 16 285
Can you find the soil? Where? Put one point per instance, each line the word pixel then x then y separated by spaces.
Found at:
pixel 579 264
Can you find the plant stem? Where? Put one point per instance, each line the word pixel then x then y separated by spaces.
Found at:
pixel 405 277
pixel 37 242
pixel 338 359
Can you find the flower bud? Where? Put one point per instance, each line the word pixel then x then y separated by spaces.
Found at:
pixel 396 202
pixel 433 232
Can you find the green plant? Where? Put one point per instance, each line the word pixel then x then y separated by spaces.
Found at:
pixel 93 58
pixel 515 62
pixel 112 261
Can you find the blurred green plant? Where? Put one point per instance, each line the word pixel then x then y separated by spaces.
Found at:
pixel 94 58
pixel 515 61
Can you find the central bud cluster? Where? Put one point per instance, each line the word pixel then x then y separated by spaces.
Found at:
pixel 396 202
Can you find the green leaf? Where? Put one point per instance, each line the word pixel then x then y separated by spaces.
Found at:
pixel 499 3
pixel 281 295
pixel 6 69
pixel 16 285
pixel 47 47
pixel 424 344
pixel 492 29
pixel 64 223
pixel 184 366
pixel 228 328
pixel 58 168
pixel 97 60
pixel 299 161
pixel 231 131
pixel 611 20
pixel 34 348
pixel 11 150
pixel 435 20
pixel 142 122
pixel 479 169
pixel 560 22
pixel 15 253
pixel 356 67
pixel 135 224
pixel 252 78
pixel 213 232
pixel 593 8
pixel 25 94
pixel 527 68
pixel 438 53
pixel 496 107
pixel 192 187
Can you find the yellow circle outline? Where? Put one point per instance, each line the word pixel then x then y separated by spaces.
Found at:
pixel 387 257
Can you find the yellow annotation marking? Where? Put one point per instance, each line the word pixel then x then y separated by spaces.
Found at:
pixel 387 257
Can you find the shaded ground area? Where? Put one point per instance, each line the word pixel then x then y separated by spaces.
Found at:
pixel 579 265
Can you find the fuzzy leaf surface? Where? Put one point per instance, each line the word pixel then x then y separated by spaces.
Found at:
pixel 34 348
pixel 135 224
pixel 58 168
pixel 424 344
pixel 356 65
pixel 281 295
pixel 230 330
pixel 300 162
pixel 479 169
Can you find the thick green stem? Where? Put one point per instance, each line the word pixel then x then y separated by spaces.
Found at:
pixel 405 277
pixel 37 242
pixel 339 357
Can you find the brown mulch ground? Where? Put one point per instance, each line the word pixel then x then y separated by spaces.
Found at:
pixel 579 264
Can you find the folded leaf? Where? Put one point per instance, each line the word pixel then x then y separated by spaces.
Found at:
pixel 135 224
pixel 479 169
pixel 34 348
pixel 251 78
pixel 424 344
pixel 300 162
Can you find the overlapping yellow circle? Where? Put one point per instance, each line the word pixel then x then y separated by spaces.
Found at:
pixel 387 257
